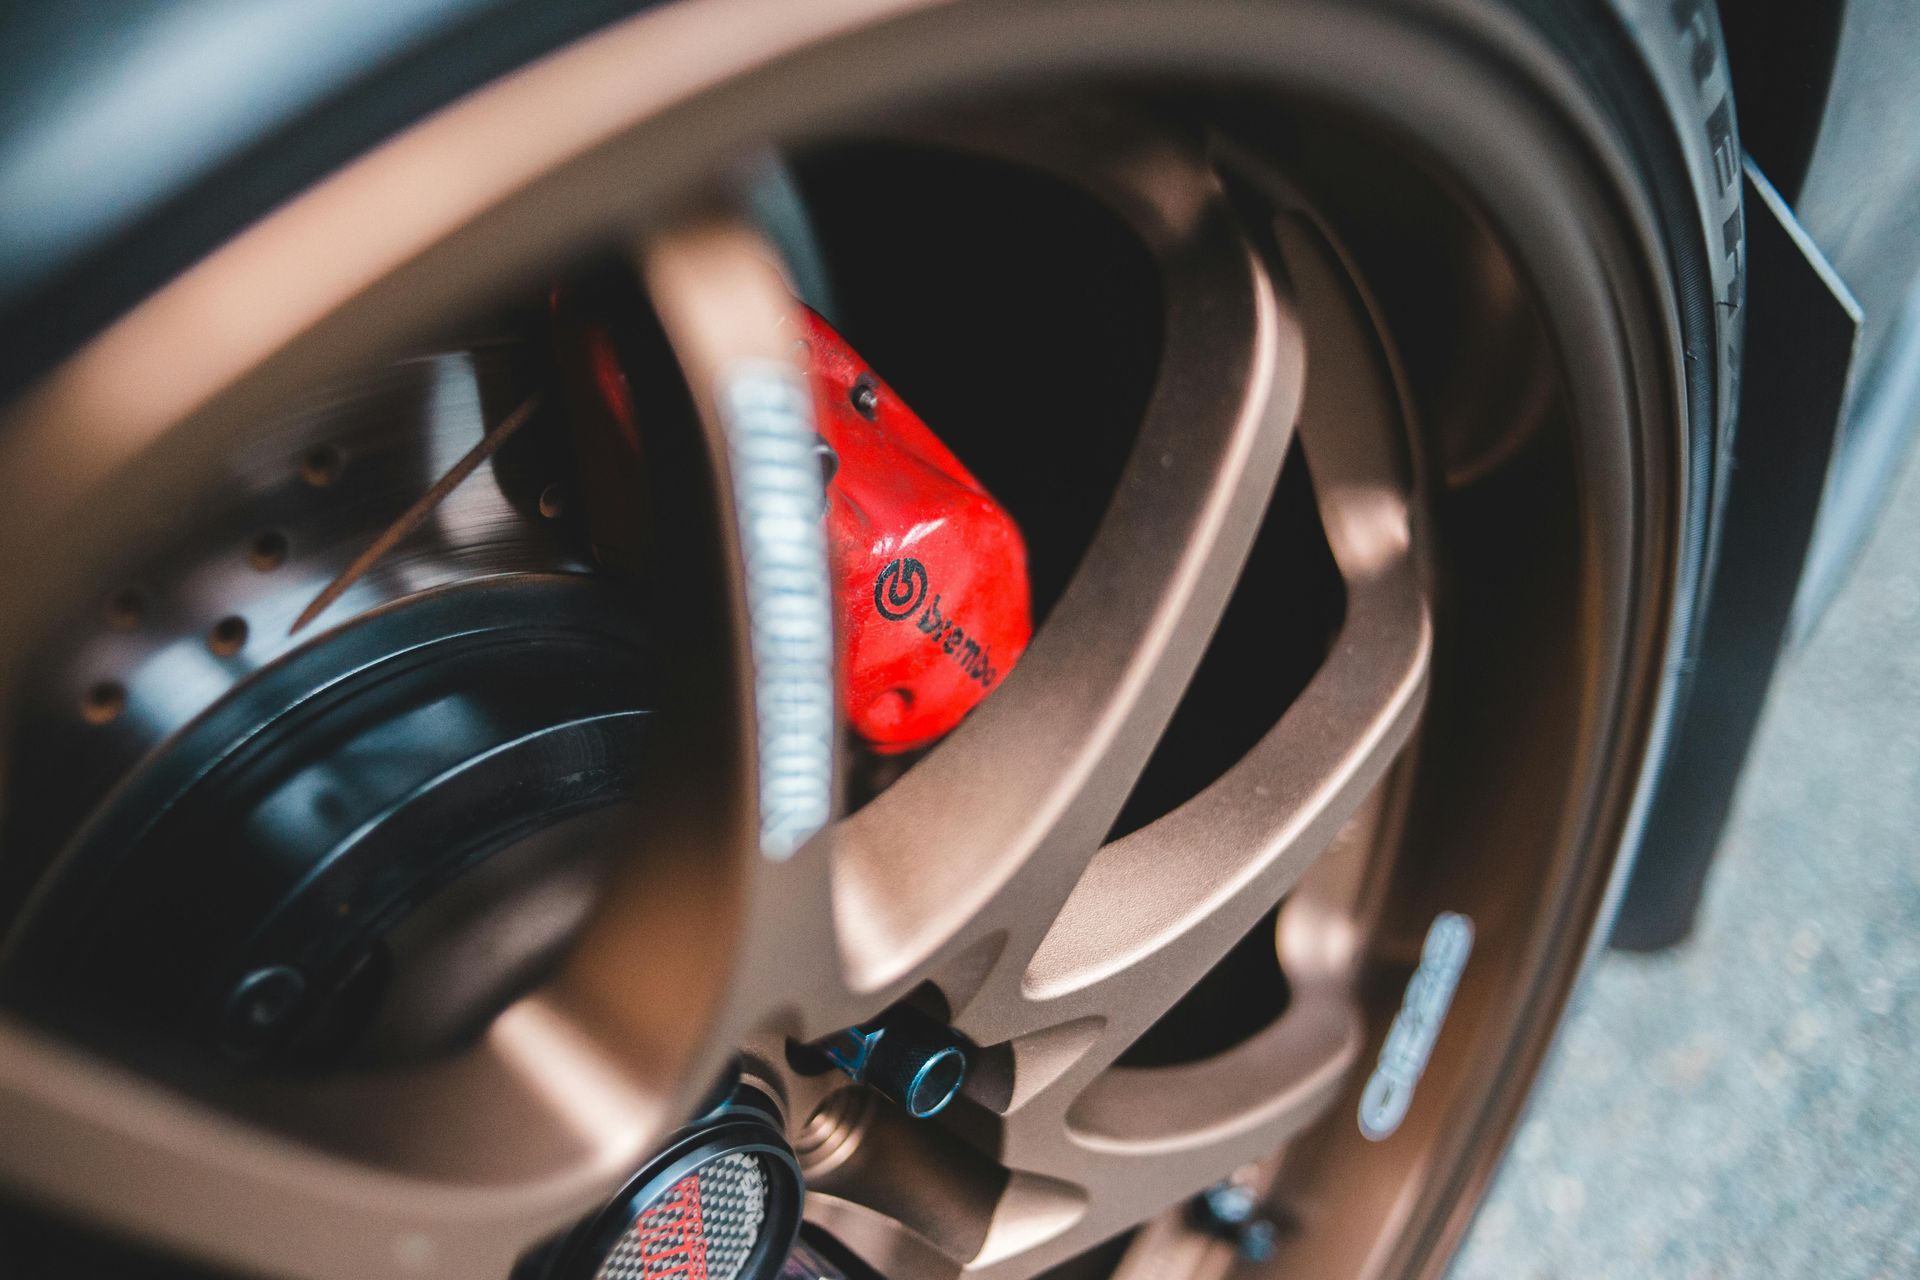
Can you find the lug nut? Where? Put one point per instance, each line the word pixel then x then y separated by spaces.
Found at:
pixel 1257 1240
pixel 1228 1204
pixel 907 1056
pixel 1230 1210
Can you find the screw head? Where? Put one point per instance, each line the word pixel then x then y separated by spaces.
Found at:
pixel 1231 1211
pixel 261 1003
pixel 866 397
pixel 1257 1240
pixel 1227 1204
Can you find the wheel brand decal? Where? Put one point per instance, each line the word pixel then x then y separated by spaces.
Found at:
pixel 901 588
pixel 767 410
pixel 1389 1090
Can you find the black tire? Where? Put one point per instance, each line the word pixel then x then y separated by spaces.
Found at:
pixel 1678 116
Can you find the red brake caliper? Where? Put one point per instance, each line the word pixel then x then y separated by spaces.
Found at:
pixel 932 572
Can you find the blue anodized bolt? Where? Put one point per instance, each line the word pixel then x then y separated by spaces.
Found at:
pixel 907 1056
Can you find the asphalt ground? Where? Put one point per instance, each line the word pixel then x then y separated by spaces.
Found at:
pixel 1748 1104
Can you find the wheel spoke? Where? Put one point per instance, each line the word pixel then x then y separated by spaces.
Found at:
pixel 1150 914
pixel 974 849
pixel 760 716
pixel 452 1171
pixel 1135 1141
pixel 1157 909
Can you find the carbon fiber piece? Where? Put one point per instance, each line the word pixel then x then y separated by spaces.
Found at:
pixel 704 1228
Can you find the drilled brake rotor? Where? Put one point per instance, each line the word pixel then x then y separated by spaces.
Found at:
pixel 238 809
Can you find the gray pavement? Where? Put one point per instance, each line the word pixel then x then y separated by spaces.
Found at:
pixel 1748 1105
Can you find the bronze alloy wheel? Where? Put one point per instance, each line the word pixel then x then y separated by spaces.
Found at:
pixel 1331 357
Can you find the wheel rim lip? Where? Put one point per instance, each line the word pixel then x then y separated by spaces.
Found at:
pixel 67 396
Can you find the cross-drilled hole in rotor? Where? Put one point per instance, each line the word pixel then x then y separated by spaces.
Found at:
pixel 268 551
pixel 321 465
pixel 104 702
pixel 228 636
pixel 127 609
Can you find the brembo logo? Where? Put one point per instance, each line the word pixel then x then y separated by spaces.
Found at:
pixel 901 589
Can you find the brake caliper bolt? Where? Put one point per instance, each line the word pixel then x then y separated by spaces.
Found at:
pixel 907 1056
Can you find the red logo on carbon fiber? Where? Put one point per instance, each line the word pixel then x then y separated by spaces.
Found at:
pixel 671 1243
